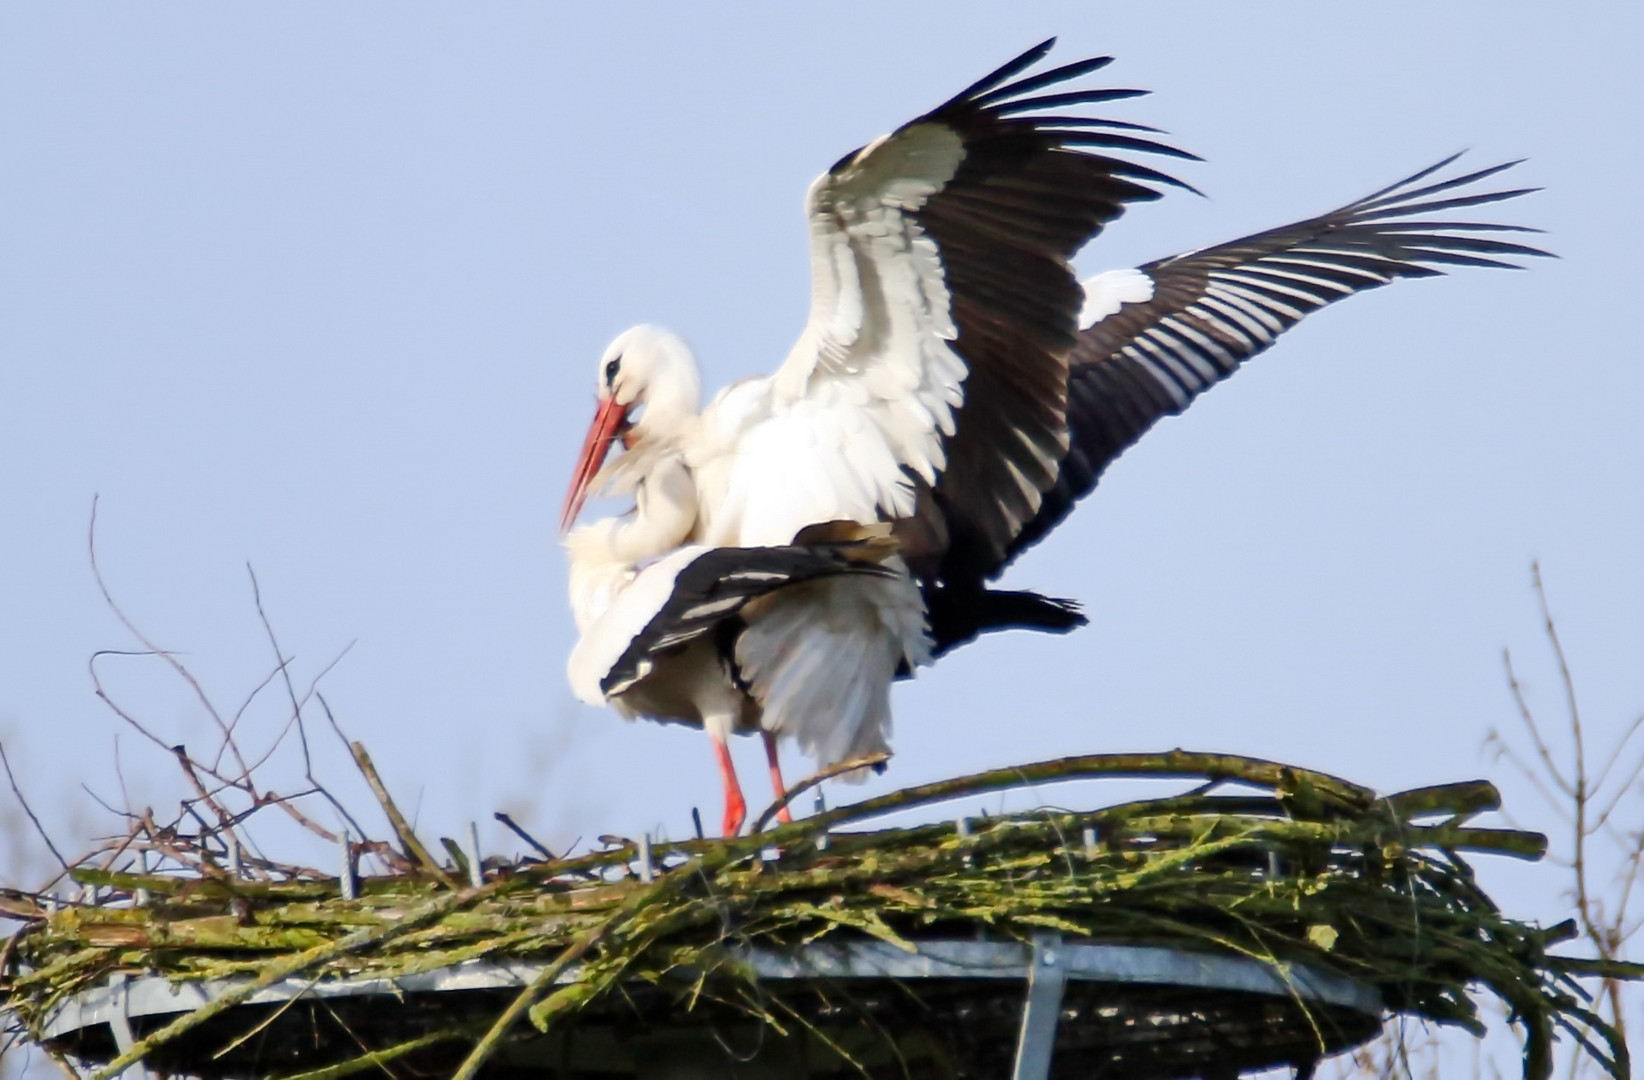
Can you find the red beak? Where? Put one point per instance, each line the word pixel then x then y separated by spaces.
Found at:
pixel 608 424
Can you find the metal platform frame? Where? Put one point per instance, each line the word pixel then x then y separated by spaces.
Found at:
pixel 1046 965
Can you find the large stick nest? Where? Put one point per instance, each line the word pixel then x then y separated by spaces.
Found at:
pixel 1291 867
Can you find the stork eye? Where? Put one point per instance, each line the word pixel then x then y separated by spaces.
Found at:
pixel 611 371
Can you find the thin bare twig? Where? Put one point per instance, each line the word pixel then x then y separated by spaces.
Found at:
pixel 1553 771
pixel 29 810
pixel 284 669
pixel 239 714
pixel 331 718
pixel 142 639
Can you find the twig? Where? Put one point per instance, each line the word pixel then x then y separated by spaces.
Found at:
pixel 182 672
pixel 666 885
pixel 408 838
pixel 29 810
pixel 239 714
pixel 865 762
pixel 378 1058
pixel 225 820
pixel 331 719
pixel 515 828
pixel 284 670
pixel 1546 755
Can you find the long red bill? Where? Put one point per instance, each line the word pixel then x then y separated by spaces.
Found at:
pixel 607 425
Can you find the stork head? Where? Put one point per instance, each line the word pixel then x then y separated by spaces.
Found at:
pixel 648 388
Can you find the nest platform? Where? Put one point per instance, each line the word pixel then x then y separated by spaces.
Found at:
pixel 1268 916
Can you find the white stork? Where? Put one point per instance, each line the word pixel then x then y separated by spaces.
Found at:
pixel 941 260
pixel 953 377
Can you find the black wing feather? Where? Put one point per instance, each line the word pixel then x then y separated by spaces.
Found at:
pixel 1031 189
pixel 1213 309
pixel 710 593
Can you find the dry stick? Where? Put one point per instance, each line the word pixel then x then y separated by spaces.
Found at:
pixel 225 819
pixel 242 785
pixel 292 965
pixel 1169 765
pixel 298 702
pixel 1581 794
pixel 239 714
pixel 263 1024
pixel 517 830
pixel 104 803
pixel 27 809
pixel 1616 753
pixel 336 728
pixel 107 699
pixel 665 885
pixel 867 761
pixel 183 672
pixel 1526 715
pixel 413 846
pixel 1461 800
pixel 285 672
pixel 364 1047
pixel 378 1058
pixel 9 949
pixel 528 997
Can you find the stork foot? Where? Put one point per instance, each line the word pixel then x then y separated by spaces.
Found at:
pixel 736 812
pixel 777 785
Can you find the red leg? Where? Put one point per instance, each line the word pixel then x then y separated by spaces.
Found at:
pixel 777 785
pixel 735 809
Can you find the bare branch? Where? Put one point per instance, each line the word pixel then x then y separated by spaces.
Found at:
pixel 29 810
pixel 1616 753
pixel 142 639
pixel 514 827
pixel 408 838
pixel 1529 719
pixel 284 669
pixel 239 713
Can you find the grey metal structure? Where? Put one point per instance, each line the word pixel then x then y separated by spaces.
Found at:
pixel 1049 967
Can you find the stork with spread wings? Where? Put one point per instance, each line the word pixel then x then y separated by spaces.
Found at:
pixel 955 380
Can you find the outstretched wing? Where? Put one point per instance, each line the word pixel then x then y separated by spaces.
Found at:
pixel 1166 333
pixel 943 308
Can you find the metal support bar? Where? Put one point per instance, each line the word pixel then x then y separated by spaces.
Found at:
pixel 346 882
pixel 141 897
pixel 1047 977
pixel 476 865
pixel 119 1022
pixel 647 868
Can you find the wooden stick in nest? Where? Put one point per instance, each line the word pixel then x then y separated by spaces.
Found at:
pixel 402 829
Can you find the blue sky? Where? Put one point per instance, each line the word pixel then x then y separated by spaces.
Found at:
pixel 321 288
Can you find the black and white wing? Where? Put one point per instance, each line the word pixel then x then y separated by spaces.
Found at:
pixel 700 591
pixel 1167 332
pixel 943 307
